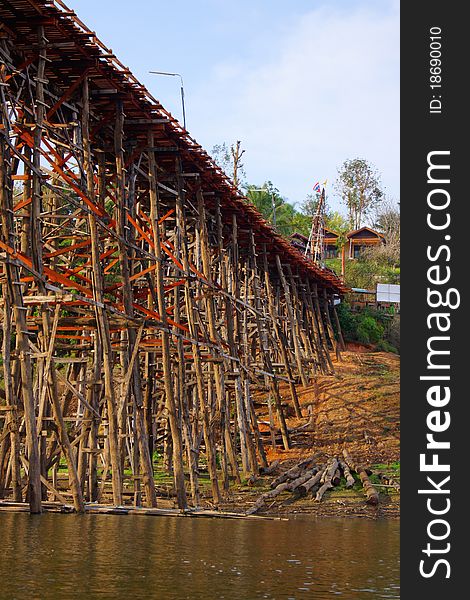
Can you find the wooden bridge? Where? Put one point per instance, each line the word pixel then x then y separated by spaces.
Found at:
pixel 144 301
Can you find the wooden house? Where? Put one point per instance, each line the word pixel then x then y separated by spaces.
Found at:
pixel 299 241
pixel 330 239
pixel 357 241
pixel 362 238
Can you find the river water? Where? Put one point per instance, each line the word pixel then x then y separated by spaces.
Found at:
pixel 131 557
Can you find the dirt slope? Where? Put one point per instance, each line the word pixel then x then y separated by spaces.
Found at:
pixel 357 408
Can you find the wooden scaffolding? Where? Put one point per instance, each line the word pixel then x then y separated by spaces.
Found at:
pixel 144 301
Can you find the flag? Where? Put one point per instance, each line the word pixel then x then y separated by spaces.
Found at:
pixel 325 182
pixel 316 188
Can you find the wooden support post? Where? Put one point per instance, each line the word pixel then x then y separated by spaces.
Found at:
pixel 182 394
pixel 321 325
pixel 274 388
pixel 233 332
pixel 12 287
pixel 228 307
pixel 190 310
pixel 212 323
pixel 142 445
pixel 293 323
pixel 166 355
pixel 329 326
pixel 11 421
pixel 298 310
pixel 100 311
pixel 279 335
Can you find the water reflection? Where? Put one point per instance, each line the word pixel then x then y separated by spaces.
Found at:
pixel 134 557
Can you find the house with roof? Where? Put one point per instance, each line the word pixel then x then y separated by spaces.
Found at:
pixel 357 241
pixel 330 242
pixel 330 238
pixel 360 239
pixel 299 241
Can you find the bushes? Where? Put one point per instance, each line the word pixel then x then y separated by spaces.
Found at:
pixel 369 331
pixel 386 346
pixel 366 327
pixel 364 272
pixel 348 321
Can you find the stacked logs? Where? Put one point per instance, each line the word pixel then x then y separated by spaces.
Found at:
pixel 369 489
pixel 313 477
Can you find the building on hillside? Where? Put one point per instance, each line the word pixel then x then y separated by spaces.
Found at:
pixel 330 238
pixel 360 299
pixel 363 238
pixel 357 241
pixel 330 241
pixel 299 241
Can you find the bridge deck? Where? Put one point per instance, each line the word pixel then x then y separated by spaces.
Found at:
pixel 147 306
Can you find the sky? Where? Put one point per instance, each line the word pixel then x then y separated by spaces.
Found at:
pixel 305 85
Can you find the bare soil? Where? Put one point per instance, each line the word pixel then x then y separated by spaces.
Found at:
pixel 357 408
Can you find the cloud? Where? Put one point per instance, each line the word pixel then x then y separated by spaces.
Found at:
pixel 328 91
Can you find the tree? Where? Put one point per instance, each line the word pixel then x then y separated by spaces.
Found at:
pixel 336 222
pixel 310 204
pixel 275 209
pixel 266 198
pixel 360 188
pixel 238 168
pixel 285 215
pixel 221 155
pixel 301 223
pixel 387 221
pixel 230 161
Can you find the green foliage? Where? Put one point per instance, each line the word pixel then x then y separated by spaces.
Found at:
pixel 369 330
pixel 386 346
pixel 285 213
pixel 366 327
pixel 268 200
pixel 288 219
pixel 333 219
pixel 263 198
pixel 337 222
pixel 393 468
pixel 301 223
pixel 348 321
pixel 365 272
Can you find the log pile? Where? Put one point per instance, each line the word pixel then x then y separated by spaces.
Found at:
pixel 328 478
pixel 369 490
pixel 314 477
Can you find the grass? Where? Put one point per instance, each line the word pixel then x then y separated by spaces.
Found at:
pixel 392 469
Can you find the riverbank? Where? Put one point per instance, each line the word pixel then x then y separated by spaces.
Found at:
pixel 356 409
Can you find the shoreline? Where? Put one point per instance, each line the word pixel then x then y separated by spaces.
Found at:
pixel 356 409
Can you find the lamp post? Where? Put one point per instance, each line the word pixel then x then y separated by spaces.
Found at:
pixel 182 89
pixel 273 201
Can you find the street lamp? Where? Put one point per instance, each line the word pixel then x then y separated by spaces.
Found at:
pixel 182 89
pixel 273 201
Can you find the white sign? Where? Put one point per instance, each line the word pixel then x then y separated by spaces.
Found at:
pixel 388 292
